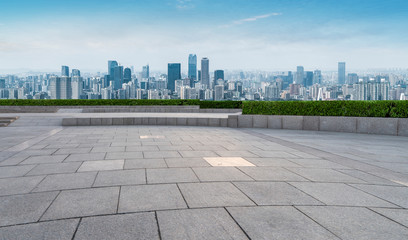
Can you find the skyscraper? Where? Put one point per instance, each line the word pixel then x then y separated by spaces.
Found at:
pixel 317 77
pixel 60 88
pixel 146 71
pixel 218 74
pixel 118 77
pixel 111 68
pixel 173 74
pixel 300 74
pixel 75 73
pixel 308 80
pixel 127 75
pixel 192 69
pixel 64 71
pixel 2 83
pixel 342 73
pixel 205 72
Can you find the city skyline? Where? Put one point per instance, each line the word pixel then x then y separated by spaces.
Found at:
pixel 248 35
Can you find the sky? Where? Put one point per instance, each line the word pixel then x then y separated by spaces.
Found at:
pixel 271 35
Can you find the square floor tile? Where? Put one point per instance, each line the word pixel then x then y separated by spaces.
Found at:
pixel 120 177
pixel 171 175
pixel 209 174
pixel 66 181
pixel 104 165
pixel 228 161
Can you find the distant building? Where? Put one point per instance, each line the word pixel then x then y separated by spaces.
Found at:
pixel 308 80
pixel 218 92
pixel 111 68
pixel 64 71
pixel 60 88
pixel 77 87
pixel 75 73
pixel 352 78
pixel 300 75
pixel 173 74
pixel 342 73
pixel 192 69
pixel 205 72
pixel 127 75
pixel 317 77
pixel 146 71
pixel 2 83
pixel 218 74
pixel 117 77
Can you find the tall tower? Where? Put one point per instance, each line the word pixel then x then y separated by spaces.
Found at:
pixel 342 73
pixel 192 69
pixel 127 75
pixel 300 74
pixel 75 73
pixel 205 72
pixel 146 71
pixel 173 74
pixel 118 77
pixel 64 71
pixel 111 68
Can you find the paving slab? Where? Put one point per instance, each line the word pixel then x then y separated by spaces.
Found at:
pixel 127 226
pixel 194 154
pixel 211 223
pixel 395 195
pixel 44 159
pixel 15 171
pixel 275 193
pixel 340 194
pixel 213 195
pixel 145 163
pixel 104 165
pixel 83 202
pixel 186 162
pixel 150 197
pixel 85 157
pixel 18 185
pixel 220 174
pixel 271 174
pixel 324 175
pixel 124 155
pixel 161 154
pixel 54 168
pixel 120 177
pixel 66 181
pixel 278 222
pixel 355 223
pixel 398 215
pixel 170 175
pixel 25 208
pixel 272 162
pixel 62 230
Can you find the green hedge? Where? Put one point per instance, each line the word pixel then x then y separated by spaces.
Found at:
pixel 99 102
pixel 220 104
pixel 395 109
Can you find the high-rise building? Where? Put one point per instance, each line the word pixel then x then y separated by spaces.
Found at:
pixel 173 74
pixel 218 74
pixel 199 76
pixel 192 69
pixel 111 68
pixel 127 75
pixel 77 87
pixel 146 71
pixel 308 80
pixel 317 77
pixel 2 83
pixel 75 73
pixel 64 71
pixel 117 77
pixel 352 78
pixel 218 92
pixel 342 73
pixel 300 74
pixel 60 88
pixel 205 72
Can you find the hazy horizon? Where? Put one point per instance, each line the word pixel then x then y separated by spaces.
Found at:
pixel 234 34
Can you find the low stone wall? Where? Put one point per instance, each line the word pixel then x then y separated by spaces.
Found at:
pixel 383 126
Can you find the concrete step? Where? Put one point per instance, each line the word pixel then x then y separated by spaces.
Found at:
pixel 5 121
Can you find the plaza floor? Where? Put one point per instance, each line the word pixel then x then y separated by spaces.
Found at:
pixel 158 182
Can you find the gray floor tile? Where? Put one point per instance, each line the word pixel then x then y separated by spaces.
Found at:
pixel 141 148
pixel 66 181
pixel 150 197
pixel 272 162
pixel 186 162
pixel 275 154
pixel 195 154
pixel 325 175
pixel 396 195
pixel 271 174
pixel 124 155
pixel 145 163
pixel 85 157
pixel 107 149
pixel 24 208
pixel 104 165
pixel 15 171
pixel 61 230
pixel 54 168
pixel 121 177
pixel 340 194
pixel 317 163
pixel 398 215
pixel 223 174
pixel 212 223
pixel 235 154
pixel 127 226
pixel 213 195
pixel 161 154
pixel 275 193
pixel 278 222
pixel 84 202
pixel 356 223
pixel 171 175
pixel 44 159
pixel 369 178
pixel 72 150
pixel 19 185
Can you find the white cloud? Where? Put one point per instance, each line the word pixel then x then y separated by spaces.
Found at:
pixel 184 4
pixel 251 19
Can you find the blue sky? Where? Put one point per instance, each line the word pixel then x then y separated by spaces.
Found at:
pixel 234 34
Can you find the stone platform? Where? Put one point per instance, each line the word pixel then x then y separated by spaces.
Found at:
pixel 182 182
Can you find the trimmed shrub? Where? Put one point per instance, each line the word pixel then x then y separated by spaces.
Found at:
pixel 99 102
pixel 395 109
pixel 220 104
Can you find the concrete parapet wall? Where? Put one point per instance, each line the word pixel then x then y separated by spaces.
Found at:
pixel 383 126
